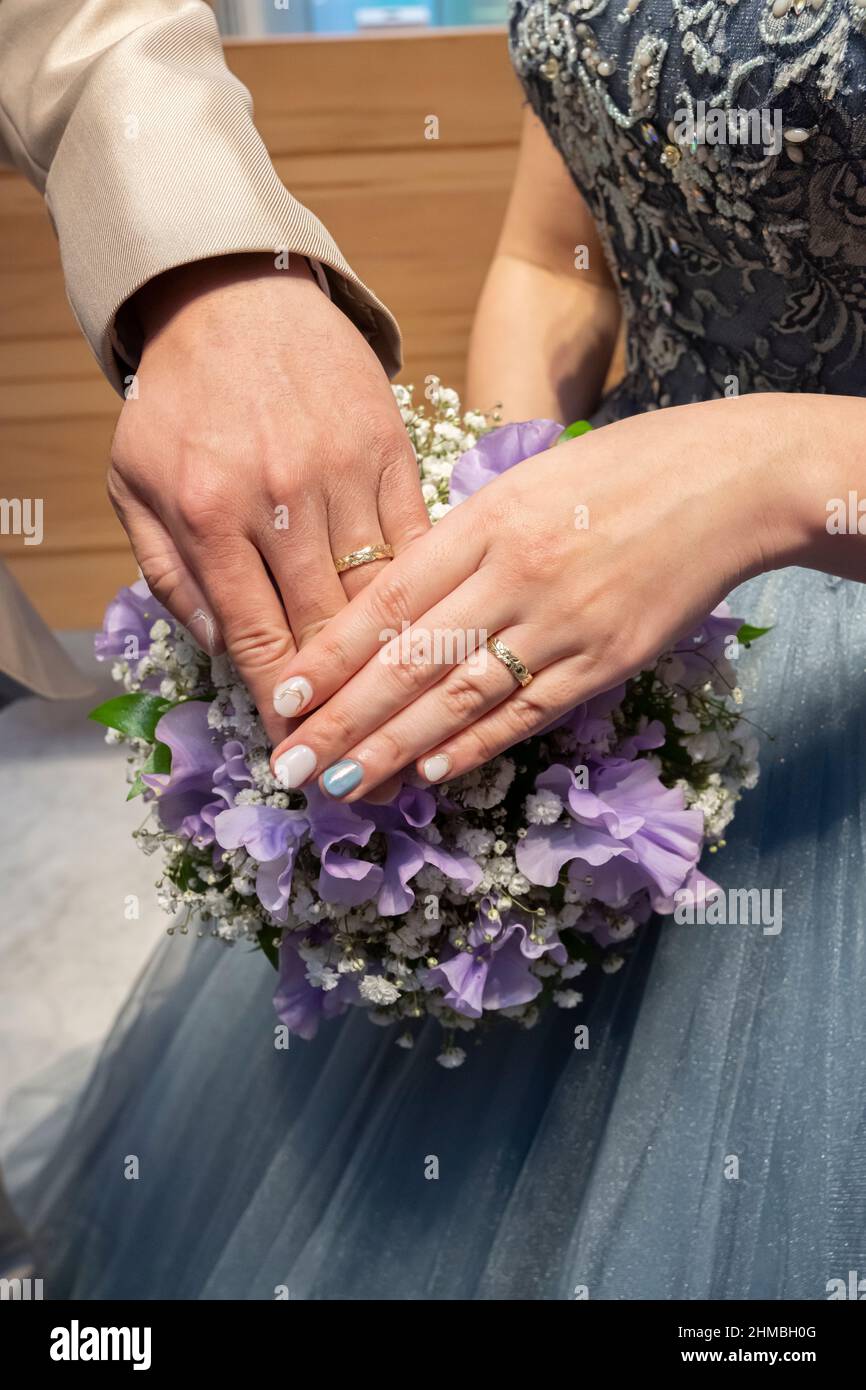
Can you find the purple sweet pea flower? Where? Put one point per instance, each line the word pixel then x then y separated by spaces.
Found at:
pixel 411 810
pixel 126 627
pixel 626 832
pixel 232 774
pixel 498 451
pixel 230 777
pixel 343 878
pixel 695 891
pixel 184 793
pixel 494 973
pixel 589 723
pixel 272 837
pixel 649 734
pixel 346 879
pixel 302 1006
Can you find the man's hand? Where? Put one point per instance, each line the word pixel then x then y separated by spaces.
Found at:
pixel 261 441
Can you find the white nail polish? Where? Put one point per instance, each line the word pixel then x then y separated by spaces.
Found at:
pixel 292 696
pixel 294 766
pixel 437 767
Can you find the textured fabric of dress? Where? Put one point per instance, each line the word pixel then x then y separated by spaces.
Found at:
pixel 730 260
pixel 711 1140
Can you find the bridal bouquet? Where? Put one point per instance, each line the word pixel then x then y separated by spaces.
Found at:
pixel 488 895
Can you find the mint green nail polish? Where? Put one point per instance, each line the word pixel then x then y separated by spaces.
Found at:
pixel 343 777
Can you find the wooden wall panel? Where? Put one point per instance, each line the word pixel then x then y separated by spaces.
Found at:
pixel 344 120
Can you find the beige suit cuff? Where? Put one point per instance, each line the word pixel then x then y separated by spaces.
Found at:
pixel 148 177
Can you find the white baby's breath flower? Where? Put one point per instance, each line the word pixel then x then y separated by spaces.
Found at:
pixel 703 747
pixel 475 421
pixel 475 842
pixel 571 912
pixel 572 969
pixel 622 928
pixel 543 807
pixel 352 963
pixel 451 1057
pixel 502 870
pixel 322 976
pixel 377 990
pixel 567 998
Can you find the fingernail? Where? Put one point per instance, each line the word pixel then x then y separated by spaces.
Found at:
pixel 437 767
pixel 293 767
pixel 342 777
pixel 292 696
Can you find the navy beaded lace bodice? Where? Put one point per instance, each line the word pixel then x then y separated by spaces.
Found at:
pixel 742 260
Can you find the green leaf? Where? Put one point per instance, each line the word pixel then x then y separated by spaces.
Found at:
pixel 269 941
pixel 574 431
pixel 135 715
pixel 159 761
pixel 748 634
pixel 184 874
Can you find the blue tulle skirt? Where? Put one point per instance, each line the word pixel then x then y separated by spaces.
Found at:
pixel 710 1142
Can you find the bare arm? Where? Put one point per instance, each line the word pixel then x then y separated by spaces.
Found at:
pixel 548 316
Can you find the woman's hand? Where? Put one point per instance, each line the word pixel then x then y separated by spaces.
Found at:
pixel 261 439
pixel 587 561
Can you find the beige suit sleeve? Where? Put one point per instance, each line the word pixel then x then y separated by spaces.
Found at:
pixel 127 119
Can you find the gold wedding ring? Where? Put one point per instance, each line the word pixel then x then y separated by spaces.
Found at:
pixel 521 673
pixel 365 556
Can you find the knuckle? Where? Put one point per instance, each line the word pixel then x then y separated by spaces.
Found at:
pixel 495 516
pixel 165 582
pixel 464 696
pixel 279 485
pixel 389 596
pixel 396 457
pixel 334 656
pixel 338 727
pixel 407 678
pixel 256 648
pixel 306 631
pixel 203 508
pixel 481 746
pixel 121 440
pixel 606 648
pixel 392 748
pixel 117 492
pixel 387 440
pixel 536 559
pixel 526 713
